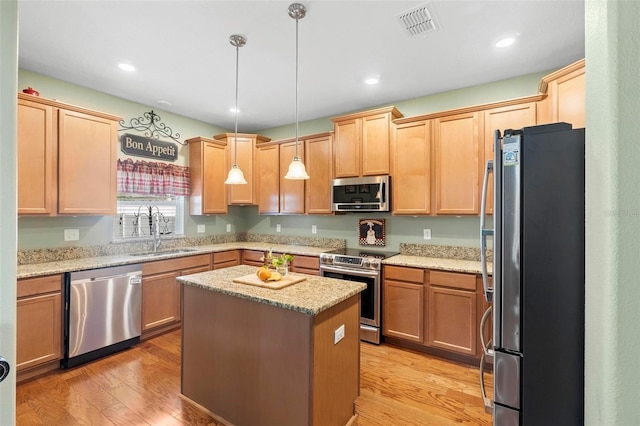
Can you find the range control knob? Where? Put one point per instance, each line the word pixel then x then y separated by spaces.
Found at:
pixel 375 264
pixel 365 263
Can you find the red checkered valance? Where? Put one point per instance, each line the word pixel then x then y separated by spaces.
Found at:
pixel 144 178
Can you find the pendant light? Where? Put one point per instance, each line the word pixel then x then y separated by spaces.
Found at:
pixel 236 177
pixel 297 170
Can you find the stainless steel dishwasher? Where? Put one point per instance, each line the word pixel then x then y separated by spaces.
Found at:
pixel 103 312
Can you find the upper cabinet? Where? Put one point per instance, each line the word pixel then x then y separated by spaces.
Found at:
pixel 246 145
pixel 361 145
pixel 291 191
pixel 209 166
pixel 566 96
pixel 268 185
pixel 501 118
pixel 66 159
pixel 411 167
pixel 457 163
pixel 318 151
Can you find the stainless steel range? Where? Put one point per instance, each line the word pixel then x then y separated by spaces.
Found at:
pixel 362 266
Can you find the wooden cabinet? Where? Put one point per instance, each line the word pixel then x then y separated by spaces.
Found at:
pixel 361 146
pixel 161 292
pixel 457 163
pixel 224 259
pixel 246 145
pixel 291 191
pixel 252 257
pixel 404 307
pixel 305 265
pixel 209 167
pixel 507 117
pixel 318 151
pixel 566 96
pixel 268 185
pixel 66 159
pixel 411 167
pixel 452 310
pixel 39 325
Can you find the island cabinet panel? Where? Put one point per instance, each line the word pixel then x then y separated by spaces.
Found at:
pixel 268 178
pixel 458 163
pixel 39 326
pixel 254 363
pixel 452 311
pixel 66 159
pixel 508 117
pixel 411 168
pixel 252 257
pixel 224 259
pixel 161 293
pixel 208 166
pixel 403 298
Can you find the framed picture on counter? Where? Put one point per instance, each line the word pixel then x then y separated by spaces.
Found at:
pixel 371 232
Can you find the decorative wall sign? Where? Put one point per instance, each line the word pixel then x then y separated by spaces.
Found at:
pixel 152 127
pixel 140 146
pixel 371 232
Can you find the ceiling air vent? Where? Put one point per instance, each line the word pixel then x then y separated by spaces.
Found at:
pixel 419 20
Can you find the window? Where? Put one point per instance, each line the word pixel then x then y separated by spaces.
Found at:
pixel 135 212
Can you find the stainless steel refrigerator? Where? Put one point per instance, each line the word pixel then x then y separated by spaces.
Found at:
pixel 537 291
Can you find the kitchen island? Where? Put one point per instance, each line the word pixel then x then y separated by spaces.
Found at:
pixel 253 355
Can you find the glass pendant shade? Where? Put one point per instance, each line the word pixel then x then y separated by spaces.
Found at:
pixel 296 171
pixel 235 176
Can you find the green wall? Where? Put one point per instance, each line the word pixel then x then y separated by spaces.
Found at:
pixel 34 233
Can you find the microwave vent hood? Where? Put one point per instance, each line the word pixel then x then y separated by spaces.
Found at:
pixel 361 194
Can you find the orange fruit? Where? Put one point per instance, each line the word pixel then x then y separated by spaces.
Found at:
pixel 263 273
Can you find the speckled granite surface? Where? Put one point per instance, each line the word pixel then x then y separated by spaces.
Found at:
pixel 312 296
pixel 452 265
pixel 79 264
pixel 444 252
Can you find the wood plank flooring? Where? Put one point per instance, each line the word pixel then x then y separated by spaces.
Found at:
pixel 141 386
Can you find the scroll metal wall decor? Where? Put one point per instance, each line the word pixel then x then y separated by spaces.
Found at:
pixel 149 145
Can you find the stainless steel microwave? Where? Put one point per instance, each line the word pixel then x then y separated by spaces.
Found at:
pixel 362 194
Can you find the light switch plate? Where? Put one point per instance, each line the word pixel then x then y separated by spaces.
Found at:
pixel 314 229
pixel 228 227
pixel 427 234
pixel 201 229
pixel 278 228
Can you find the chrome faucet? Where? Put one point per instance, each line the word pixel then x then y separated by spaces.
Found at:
pixel 155 219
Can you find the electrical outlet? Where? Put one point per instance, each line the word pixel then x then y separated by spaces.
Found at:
pixel 228 227
pixel 278 228
pixel 314 229
pixel 338 334
pixel 427 234
pixel 71 234
pixel 201 229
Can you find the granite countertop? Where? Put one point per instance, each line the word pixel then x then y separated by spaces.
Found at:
pixel 72 265
pixel 311 296
pixel 452 265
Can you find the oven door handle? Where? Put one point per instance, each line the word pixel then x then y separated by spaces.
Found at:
pixel 346 271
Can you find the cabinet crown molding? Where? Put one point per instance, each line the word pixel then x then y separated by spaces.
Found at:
pixel 69 107
pixel 390 109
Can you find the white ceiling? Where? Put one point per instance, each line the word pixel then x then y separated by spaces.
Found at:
pixel 182 53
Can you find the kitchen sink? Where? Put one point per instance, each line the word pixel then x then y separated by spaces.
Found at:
pixel 163 252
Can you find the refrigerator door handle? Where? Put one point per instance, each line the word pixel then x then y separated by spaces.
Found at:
pixel 484 232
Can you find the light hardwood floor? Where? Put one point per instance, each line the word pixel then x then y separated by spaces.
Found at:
pixel 141 386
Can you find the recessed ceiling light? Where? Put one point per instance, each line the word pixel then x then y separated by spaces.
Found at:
pixel 505 42
pixel 126 67
pixel 164 102
pixel 233 110
pixel 372 80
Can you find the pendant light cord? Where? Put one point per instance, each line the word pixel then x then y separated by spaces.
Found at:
pixel 297 87
pixel 235 151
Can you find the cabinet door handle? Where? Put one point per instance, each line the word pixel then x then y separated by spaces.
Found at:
pixel 4 368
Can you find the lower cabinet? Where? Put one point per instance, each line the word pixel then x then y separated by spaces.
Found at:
pixel 306 265
pixel 252 257
pixel 224 259
pixel 39 325
pixel 432 309
pixel 403 296
pixel 161 293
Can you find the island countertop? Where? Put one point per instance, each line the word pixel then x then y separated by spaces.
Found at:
pixel 313 295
